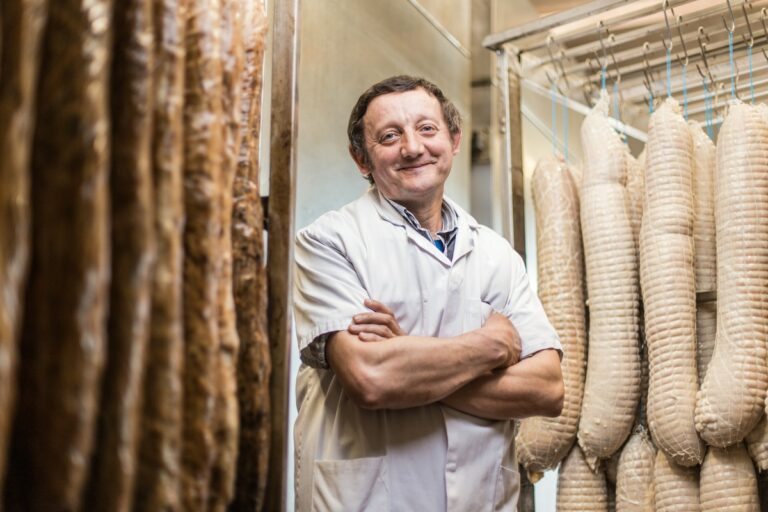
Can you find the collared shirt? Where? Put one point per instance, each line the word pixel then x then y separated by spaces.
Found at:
pixel 447 235
pixel 314 354
pixel 431 457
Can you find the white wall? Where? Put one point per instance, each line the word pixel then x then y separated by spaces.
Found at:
pixel 346 46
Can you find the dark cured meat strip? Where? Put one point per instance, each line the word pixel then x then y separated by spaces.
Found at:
pixel 227 418
pixel 110 485
pixel 250 280
pixel 203 132
pixel 64 330
pixel 159 457
pixel 20 37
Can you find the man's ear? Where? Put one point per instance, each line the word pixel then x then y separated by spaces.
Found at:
pixel 456 142
pixel 359 162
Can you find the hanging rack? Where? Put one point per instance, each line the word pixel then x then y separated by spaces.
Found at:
pixel 698 30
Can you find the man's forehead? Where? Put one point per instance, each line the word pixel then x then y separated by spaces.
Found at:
pixel 416 102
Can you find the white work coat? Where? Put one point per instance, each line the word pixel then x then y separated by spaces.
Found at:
pixel 428 458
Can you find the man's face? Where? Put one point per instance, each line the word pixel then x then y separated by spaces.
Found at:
pixel 409 145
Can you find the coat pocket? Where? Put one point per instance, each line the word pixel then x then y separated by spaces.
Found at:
pixel 350 485
pixel 507 490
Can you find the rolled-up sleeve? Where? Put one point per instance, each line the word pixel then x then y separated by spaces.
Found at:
pixel 524 309
pixel 327 293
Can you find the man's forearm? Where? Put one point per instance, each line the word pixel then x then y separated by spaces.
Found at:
pixel 409 371
pixel 532 387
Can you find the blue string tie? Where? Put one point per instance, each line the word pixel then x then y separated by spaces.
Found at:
pixel 685 93
pixel 751 82
pixel 733 70
pixel 602 78
pixel 669 72
pixel 565 129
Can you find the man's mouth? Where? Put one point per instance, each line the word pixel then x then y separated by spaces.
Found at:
pixel 411 167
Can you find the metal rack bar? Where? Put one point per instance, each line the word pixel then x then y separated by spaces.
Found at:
pixel 496 41
pixel 579 54
pixel 583 109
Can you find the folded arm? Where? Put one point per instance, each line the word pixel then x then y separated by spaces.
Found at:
pixel 463 372
pixel 408 371
pixel 532 387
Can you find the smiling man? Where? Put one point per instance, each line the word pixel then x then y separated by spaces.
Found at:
pixel 419 334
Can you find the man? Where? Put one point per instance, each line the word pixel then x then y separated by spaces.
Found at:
pixel 407 315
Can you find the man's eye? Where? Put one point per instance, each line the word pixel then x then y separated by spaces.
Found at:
pixel 388 137
pixel 428 128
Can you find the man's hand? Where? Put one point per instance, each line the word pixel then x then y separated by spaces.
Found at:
pixel 499 327
pixel 380 324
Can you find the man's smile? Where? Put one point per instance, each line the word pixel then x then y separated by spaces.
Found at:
pixel 413 167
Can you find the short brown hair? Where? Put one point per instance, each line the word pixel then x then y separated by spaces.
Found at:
pixel 399 83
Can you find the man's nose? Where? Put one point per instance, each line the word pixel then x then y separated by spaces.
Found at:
pixel 411 145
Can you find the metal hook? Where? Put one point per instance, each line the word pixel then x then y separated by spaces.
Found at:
pixel 682 41
pixel 763 15
pixel 764 54
pixel 648 80
pixel 667 39
pixel 612 40
pixel 733 19
pixel 751 42
pixel 552 81
pixel 600 27
pixel 701 36
pixel 562 70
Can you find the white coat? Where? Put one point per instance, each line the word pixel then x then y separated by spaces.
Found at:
pixel 423 458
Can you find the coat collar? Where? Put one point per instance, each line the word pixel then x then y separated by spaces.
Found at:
pixel 465 238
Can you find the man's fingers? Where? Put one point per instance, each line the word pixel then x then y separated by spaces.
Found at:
pixel 379 330
pixel 367 336
pixel 377 318
pixel 378 306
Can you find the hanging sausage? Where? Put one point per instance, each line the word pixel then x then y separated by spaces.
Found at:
pixel 676 487
pixel 110 485
pixel 542 443
pixel 226 414
pixel 21 30
pixel 65 312
pixel 158 466
pixel 704 257
pixel 249 278
pixel 203 150
pixel 667 282
pixel 612 387
pixel 579 487
pixel 732 397
pixel 728 482
pixel 634 477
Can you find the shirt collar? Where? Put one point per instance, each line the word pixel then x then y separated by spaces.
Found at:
pixel 448 213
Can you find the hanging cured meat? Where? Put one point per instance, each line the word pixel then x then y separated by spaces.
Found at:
pixel 667 282
pixel 226 414
pixel 728 482
pixel 757 444
pixel 20 40
pixel 203 150
pixel 732 396
pixel 113 468
pixel 704 256
pixel 578 487
pixel 157 478
pixel 65 312
pixel 634 477
pixel 676 487
pixel 612 388
pixel 249 278
pixel 543 442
